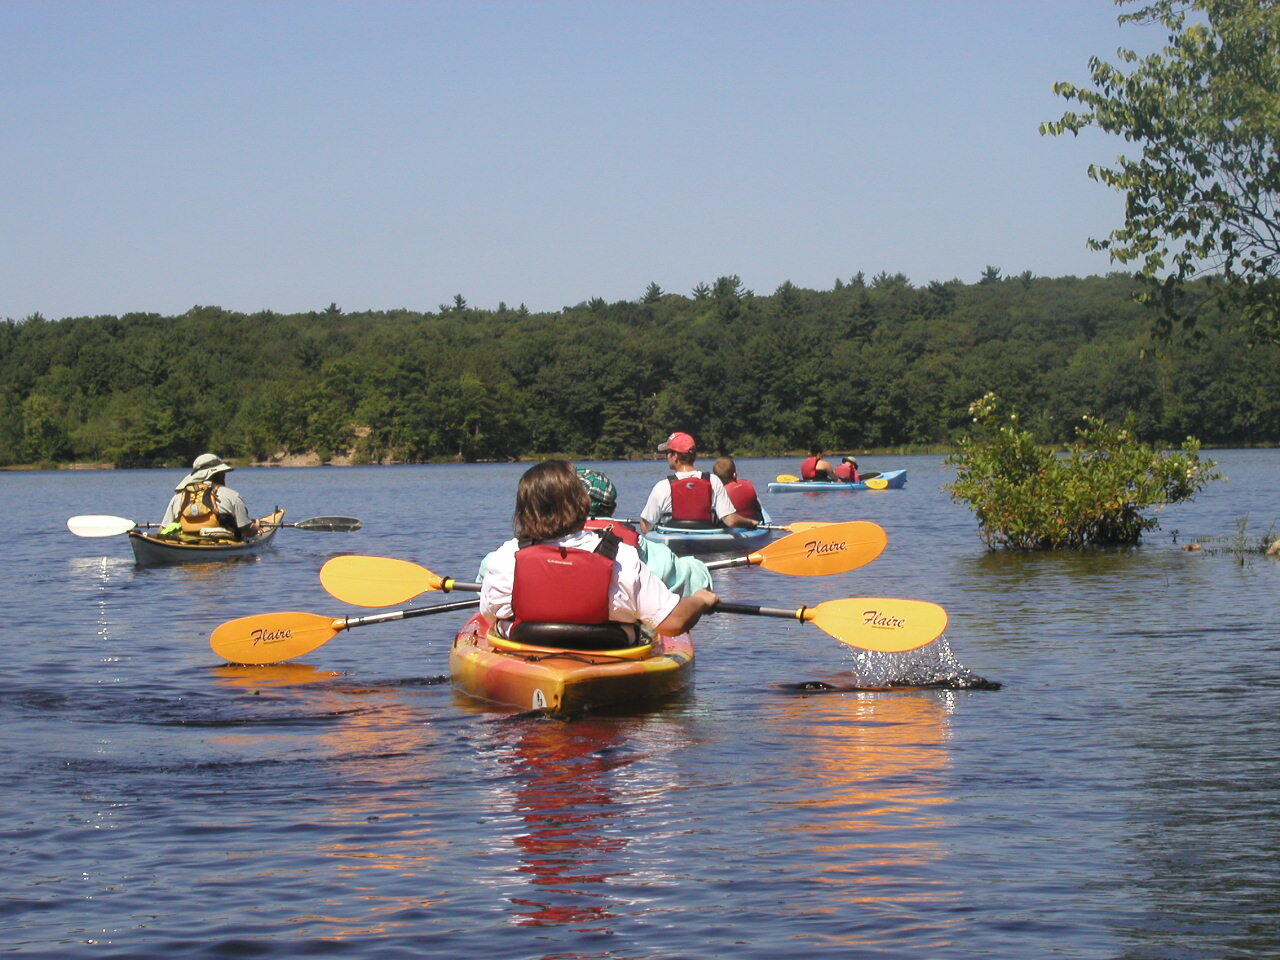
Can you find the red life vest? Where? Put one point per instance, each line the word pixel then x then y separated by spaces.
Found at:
pixel 623 531
pixel 846 471
pixel 691 498
pixel 809 469
pixel 745 501
pixel 555 584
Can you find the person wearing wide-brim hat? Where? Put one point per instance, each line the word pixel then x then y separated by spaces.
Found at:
pixel 202 501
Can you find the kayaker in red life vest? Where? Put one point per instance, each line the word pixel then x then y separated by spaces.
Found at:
pixel 848 470
pixel 742 492
pixel 688 496
pixel 555 571
pixel 816 467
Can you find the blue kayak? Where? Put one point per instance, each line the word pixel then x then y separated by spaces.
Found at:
pixel 711 540
pixel 894 479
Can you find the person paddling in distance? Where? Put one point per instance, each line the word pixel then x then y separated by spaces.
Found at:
pixel 742 493
pixel 684 575
pixel 204 506
pixel 555 571
pixel 816 467
pixel 688 497
pixel 848 470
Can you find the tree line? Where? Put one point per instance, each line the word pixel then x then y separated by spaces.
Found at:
pixel 870 363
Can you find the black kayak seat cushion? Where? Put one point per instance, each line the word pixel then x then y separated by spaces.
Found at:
pixel 578 636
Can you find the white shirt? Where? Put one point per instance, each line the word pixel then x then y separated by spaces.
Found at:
pixel 635 593
pixel 659 502
pixel 226 500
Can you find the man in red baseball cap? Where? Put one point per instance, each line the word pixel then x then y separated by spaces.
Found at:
pixel 689 497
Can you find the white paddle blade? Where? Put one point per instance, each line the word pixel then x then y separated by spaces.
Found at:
pixel 99 525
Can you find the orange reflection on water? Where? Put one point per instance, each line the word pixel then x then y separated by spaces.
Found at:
pixel 367 749
pixel 872 775
pixel 576 801
pixel 565 799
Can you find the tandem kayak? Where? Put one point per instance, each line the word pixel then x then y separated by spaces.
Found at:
pixel 490 667
pixel 152 549
pixel 711 539
pixel 894 479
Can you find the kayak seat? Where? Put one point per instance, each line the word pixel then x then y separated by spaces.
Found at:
pixel 577 636
pixel 690 525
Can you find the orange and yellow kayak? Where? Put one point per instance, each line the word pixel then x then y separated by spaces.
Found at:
pixel 491 667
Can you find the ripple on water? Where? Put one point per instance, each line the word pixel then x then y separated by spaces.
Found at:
pixel 1115 798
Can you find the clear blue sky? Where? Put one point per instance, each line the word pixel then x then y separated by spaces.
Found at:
pixel 283 155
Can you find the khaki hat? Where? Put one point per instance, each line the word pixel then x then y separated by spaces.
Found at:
pixel 204 467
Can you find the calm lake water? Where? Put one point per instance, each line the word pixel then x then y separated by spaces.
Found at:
pixel 1117 797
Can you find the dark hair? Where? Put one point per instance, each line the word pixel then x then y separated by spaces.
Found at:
pixel 725 468
pixel 550 501
pixel 687 457
pixel 815 451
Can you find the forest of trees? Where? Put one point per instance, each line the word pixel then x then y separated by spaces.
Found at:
pixel 869 364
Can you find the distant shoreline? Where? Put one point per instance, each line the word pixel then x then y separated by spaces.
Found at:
pixel 311 460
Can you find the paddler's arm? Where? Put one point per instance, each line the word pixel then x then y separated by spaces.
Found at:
pixel 738 520
pixel 687 613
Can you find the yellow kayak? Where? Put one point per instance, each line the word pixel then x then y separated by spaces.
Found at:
pixel 490 667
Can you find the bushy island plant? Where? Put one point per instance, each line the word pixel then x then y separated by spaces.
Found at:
pixel 1029 497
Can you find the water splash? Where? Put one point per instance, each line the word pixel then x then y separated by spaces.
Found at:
pixel 934 666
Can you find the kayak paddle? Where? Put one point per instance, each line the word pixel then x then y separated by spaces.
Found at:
pixel 837 548
pixel 875 483
pixel 276 637
pixel 800 526
pixel 382 581
pixel 101 525
pixel 869 623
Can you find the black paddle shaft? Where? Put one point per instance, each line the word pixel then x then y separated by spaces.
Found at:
pixel 410 613
pixel 750 609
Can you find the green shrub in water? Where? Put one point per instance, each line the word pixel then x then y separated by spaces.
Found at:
pixel 1027 497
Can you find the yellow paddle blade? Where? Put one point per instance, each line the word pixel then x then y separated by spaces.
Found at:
pixel 800 526
pixel 376 581
pixel 786 478
pixel 832 548
pixel 874 623
pixel 877 483
pixel 273 637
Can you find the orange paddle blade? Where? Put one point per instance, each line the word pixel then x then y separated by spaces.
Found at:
pixel 874 623
pixel 877 483
pixel 832 548
pixel 376 581
pixel 800 526
pixel 273 637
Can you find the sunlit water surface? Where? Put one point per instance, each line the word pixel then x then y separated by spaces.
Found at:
pixel 1116 797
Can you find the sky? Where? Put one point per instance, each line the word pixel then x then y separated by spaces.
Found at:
pixel 380 155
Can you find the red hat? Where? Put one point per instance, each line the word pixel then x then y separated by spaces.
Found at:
pixel 678 443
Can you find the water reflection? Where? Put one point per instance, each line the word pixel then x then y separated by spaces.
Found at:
pixel 574 828
pixel 254 678
pixel 869 777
